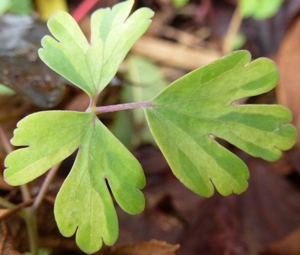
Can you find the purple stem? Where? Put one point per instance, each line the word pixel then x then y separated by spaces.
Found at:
pixel 120 107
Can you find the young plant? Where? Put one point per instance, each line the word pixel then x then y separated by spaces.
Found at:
pixel 259 9
pixel 183 119
pixel 179 3
pixel 16 6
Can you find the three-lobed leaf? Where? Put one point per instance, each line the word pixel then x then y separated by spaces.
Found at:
pixel 200 105
pixel 84 203
pixel 92 66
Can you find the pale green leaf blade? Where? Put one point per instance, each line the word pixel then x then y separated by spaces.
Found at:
pixel 113 40
pixel 21 7
pixel 80 206
pixel 179 3
pixel 201 104
pixel 84 203
pixel 91 67
pixel 67 54
pixel 197 161
pixel 51 136
pixel 5 5
pixel 123 128
pixel 6 91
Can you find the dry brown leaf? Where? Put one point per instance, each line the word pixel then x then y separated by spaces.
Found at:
pixel 4 185
pixel 174 54
pixel 288 59
pixel 290 245
pixel 3 212
pixel 79 102
pixel 6 242
pixel 145 248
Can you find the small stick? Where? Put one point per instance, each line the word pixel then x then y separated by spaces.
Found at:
pixel 44 187
pixel 16 209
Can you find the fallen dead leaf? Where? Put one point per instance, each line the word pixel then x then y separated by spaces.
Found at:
pixel 3 184
pixel 145 248
pixel 6 241
pixel 288 59
pixel 3 212
pixel 289 245
pixel 174 54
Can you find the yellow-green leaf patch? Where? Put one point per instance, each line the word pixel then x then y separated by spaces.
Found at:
pixel 191 111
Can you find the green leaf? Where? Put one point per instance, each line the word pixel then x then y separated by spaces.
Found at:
pixel 21 7
pixel 16 6
pixel 238 41
pixel 83 203
pixel 201 104
pixel 5 5
pixel 92 66
pixel 259 9
pixel 179 3
pixel 123 128
pixel 4 90
pixel 40 251
pixel 143 81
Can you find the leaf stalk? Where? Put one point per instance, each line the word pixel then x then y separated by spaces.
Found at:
pixel 120 107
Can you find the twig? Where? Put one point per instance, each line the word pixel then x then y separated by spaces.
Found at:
pixel 16 208
pixel 4 234
pixel 44 187
pixel 5 142
pixel 232 31
pixel 5 203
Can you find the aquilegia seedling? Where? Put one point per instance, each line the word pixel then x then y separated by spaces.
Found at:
pixel 182 119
